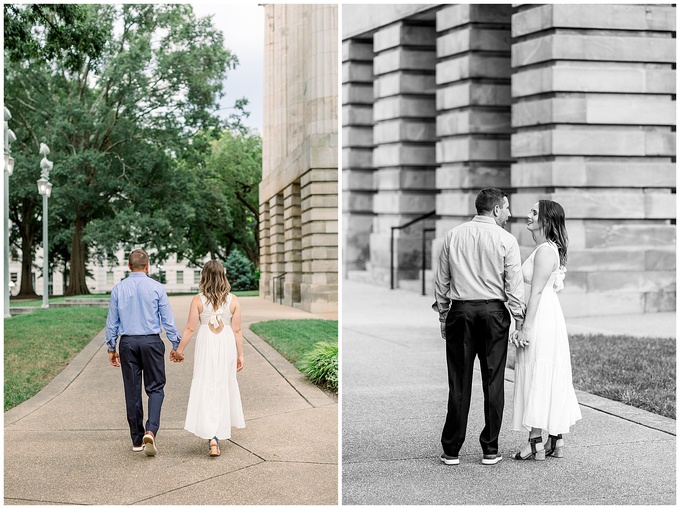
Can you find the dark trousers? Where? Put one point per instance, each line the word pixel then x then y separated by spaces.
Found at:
pixel 142 356
pixel 475 328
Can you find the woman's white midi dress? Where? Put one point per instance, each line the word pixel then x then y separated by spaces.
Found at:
pixel 544 395
pixel 214 399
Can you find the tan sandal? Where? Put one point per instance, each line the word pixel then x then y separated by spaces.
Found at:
pixel 214 449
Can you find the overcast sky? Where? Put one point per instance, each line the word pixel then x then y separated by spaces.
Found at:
pixel 243 29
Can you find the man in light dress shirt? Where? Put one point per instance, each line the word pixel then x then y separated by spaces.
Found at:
pixel 478 277
pixel 137 307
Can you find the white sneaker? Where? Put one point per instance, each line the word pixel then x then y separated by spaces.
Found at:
pixel 449 460
pixel 491 459
pixel 137 448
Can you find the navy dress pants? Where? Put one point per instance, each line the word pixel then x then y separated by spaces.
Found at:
pixel 143 356
pixel 475 328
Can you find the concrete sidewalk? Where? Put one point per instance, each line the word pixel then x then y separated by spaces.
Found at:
pixel 394 393
pixel 70 444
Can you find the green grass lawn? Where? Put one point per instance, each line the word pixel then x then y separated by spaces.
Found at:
pixel 38 346
pixel 38 302
pixel 246 293
pixel 294 338
pixel 639 372
pixel 636 371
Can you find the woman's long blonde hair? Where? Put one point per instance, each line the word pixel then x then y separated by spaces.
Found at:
pixel 214 283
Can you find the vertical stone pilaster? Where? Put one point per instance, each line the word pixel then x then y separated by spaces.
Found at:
pixel 277 242
pixel 404 139
pixel 319 206
pixel 357 152
pixel 265 251
pixel 473 108
pixel 594 117
pixel 292 222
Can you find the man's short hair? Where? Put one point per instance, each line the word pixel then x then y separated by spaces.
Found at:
pixel 138 259
pixel 488 198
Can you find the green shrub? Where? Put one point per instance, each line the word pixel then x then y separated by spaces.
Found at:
pixel 240 271
pixel 321 365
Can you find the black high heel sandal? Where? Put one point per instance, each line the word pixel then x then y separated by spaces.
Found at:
pixel 554 446
pixel 534 454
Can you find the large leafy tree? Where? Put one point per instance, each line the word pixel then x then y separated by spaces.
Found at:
pixel 34 35
pixel 225 200
pixel 120 124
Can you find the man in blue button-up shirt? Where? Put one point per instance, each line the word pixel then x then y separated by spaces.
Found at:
pixel 137 308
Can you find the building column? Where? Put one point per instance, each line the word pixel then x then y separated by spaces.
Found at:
pixel 404 138
pixel 277 260
pixel 265 252
pixel 594 113
pixel 292 222
pixel 319 287
pixel 357 152
pixel 473 109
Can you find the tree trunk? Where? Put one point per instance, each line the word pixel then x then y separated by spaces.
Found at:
pixel 77 284
pixel 27 237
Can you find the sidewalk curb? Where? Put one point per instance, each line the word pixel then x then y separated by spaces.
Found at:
pixel 618 409
pixel 311 393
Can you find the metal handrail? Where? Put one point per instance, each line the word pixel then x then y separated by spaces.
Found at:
pixel 280 278
pixel 425 231
pixel 406 225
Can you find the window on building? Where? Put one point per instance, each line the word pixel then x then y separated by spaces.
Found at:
pixel 180 277
pixel 109 277
pixel 197 276
pixel 14 276
pixel 161 276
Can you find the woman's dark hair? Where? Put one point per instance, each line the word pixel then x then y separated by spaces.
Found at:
pixel 488 198
pixel 551 219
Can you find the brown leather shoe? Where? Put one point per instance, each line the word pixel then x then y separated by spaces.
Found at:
pixel 149 443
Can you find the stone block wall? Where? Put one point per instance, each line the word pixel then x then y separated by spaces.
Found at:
pixel 404 142
pixel 299 189
pixel 594 114
pixel 357 152
pixel 473 108
pixel 570 102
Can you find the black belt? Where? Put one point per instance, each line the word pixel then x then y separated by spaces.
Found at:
pixel 480 301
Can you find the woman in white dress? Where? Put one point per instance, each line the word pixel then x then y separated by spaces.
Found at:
pixel 214 399
pixel 544 396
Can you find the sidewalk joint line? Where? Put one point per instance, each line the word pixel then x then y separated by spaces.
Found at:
pixel 376 337
pixel 195 483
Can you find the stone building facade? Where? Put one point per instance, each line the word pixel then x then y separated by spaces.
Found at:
pixel 299 189
pixel 570 102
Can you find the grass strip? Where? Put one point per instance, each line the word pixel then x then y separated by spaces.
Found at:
pixel 636 371
pixel 295 338
pixel 38 346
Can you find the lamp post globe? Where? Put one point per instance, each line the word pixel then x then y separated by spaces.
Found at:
pixel 9 138
pixel 45 190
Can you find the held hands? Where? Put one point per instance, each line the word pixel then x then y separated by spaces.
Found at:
pixel 519 338
pixel 176 356
pixel 114 359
